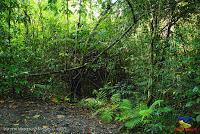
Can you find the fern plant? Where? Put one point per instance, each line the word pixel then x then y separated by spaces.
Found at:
pixel 92 103
pixel 124 111
pixel 140 115
pixel 108 112
pixel 105 114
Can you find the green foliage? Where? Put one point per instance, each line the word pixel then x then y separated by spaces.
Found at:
pixel 198 118
pixel 154 128
pixel 92 103
pixel 157 102
pixel 116 98
pixel 133 122
pixel 137 116
pixel 125 105
pixel 121 89
pixel 106 114
pixel 132 116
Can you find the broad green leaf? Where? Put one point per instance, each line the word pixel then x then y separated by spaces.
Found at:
pixel 18 90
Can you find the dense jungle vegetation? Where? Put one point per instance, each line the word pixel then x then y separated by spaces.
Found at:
pixel 135 62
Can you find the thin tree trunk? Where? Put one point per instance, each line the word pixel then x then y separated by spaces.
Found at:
pixel 9 40
pixel 154 26
pixel 66 66
pixel 9 23
pixel 26 21
pixel 75 47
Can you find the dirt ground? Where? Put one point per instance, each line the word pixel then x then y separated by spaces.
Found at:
pixel 38 117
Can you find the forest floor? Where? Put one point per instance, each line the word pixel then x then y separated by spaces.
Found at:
pixel 27 116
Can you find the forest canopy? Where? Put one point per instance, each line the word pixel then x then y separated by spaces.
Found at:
pixel 110 54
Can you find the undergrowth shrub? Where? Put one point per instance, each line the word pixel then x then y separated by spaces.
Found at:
pixel 92 103
pixel 132 116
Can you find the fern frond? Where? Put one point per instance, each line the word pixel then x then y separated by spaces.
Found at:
pixel 126 115
pixel 107 115
pixel 146 113
pixel 133 122
pixel 116 98
pixel 92 103
pixel 157 102
pixel 125 105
